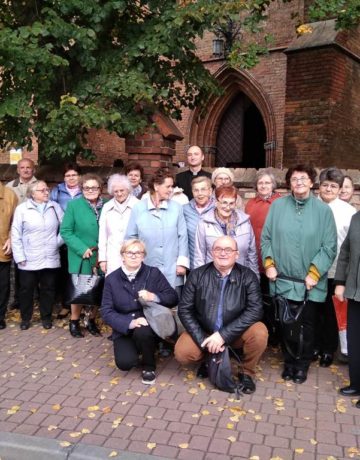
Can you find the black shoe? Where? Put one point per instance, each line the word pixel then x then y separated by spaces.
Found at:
pixel 248 384
pixel 148 377
pixel 2 324
pixel 47 324
pixel 358 404
pixel 202 371
pixel 326 359
pixel 92 328
pixel 349 391
pixel 288 373
pixel 316 355
pixel 24 325
pixel 299 376
pixel 75 329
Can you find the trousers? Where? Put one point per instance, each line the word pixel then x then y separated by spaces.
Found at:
pixel 4 287
pixel 353 340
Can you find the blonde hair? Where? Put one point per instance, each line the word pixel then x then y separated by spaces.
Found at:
pixel 127 244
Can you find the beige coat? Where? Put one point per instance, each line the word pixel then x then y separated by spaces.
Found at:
pixel 8 203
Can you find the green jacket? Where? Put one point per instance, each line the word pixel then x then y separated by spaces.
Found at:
pixel 80 231
pixel 296 235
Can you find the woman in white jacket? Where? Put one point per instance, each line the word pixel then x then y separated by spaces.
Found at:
pixel 113 222
pixel 35 242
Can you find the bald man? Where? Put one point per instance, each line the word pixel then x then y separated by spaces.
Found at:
pixel 25 170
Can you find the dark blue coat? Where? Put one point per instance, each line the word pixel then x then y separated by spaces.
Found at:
pixel 120 303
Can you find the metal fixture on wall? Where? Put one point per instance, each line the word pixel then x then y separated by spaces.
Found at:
pixel 225 37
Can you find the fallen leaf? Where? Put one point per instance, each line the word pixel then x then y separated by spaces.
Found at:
pixel 13 410
pixel 152 390
pixel 184 445
pixel 195 415
pixel 231 438
pixel 77 375
pixel 193 391
pixel 74 364
pixel 85 431
pixel 65 443
pixel 190 376
pixel 113 454
pixel 56 407
pixel 212 401
pixel 313 442
pixel 114 381
pixel 254 457
pixel 117 422
pixel 202 386
pixel 299 450
pixel 276 458
pixel 93 408
pixel 75 434
pixel 33 411
pixel 91 415
pixel 129 424
pixel 257 417
pixel 230 426
pixel 151 445
pixel 107 410
pixel 52 427
pixel 205 412
pixel 59 358
pixel 331 457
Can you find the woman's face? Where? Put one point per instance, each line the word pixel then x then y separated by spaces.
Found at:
pixel 300 184
pixel 329 191
pixel 347 190
pixel 134 177
pixel 91 190
pixel 225 206
pixel 41 192
pixel 264 186
pixel 120 193
pixel 133 257
pixel 164 190
pixel 222 179
pixel 71 178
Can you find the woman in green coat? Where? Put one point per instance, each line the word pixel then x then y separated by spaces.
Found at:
pixel 80 231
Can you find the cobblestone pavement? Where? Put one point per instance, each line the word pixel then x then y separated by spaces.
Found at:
pixel 54 386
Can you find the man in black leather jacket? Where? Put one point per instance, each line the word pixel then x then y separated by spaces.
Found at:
pixel 221 304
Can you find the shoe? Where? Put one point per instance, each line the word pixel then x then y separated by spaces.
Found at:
pixel 75 329
pixel 299 376
pixel 164 350
pixel 358 404
pixel 148 377
pixel 47 324
pixel 326 359
pixel 316 355
pixel 2 324
pixel 92 328
pixel 349 391
pixel 24 325
pixel 248 384
pixel 288 373
pixel 202 371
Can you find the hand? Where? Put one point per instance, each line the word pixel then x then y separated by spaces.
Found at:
pixel 310 283
pixel 180 270
pixel 339 292
pixel 7 247
pixel 138 322
pixel 271 273
pixel 87 254
pixel 146 295
pixel 103 266
pixel 214 343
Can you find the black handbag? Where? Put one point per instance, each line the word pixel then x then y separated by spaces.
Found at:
pixel 220 371
pixel 85 289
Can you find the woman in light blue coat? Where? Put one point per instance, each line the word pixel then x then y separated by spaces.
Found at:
pixel 159 222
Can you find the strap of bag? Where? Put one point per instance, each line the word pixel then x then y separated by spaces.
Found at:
pixel 300 346
pixel 94 249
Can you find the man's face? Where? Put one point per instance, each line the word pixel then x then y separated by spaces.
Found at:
pixel 25 170
pixel 224 254
pixel 202 193
pixel 195 156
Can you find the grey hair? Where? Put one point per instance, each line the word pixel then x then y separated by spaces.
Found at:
pixel 265 172
pixel 118 179
pixel 332 174
pixel 32 187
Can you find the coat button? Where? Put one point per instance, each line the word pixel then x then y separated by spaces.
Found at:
pixel 133 314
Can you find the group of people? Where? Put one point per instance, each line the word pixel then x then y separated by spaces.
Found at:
pixel 211 257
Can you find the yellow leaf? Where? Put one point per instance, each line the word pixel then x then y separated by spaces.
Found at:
pixel 102 397
pixel 299 450
pixel 77 375
pixel 195 416
pixel 117 422
pixel 113 454
pixel 251 411
pixel 74 364
pixel 52 427
pixel 85 431
pixel 129 424
pixel 93 408
pixel 279 402
pixel 95 371
pixel 276 458
pixel 65 443
pixel 190 376
pixel 107 410
pixel 231 438
pixel 151 445
pixel 212 401
pixel 331 457
pixel 193 391
pixel 56 407
pixel 257 417
pixel 254 457
pixel 202 386
pixel 114 381
pixel 75 434
pixel 205 412
pixel 59 358
pixel 13 410
pixel 152 390
pixel 91 415
pixel 33 411
pixel 313 442
pixel 235 418
pixel 184 445
pixel 230 426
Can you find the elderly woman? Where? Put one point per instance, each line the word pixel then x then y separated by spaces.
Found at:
pixel 121 309
pixel 70 188
pixel 347 286
pixel 224 176
pixel 135 174
pixel 113 222
pixel 80 231
pixel 225 219
pixel 347 189
pixel 299 241
pixel 35 242
pixel 159 222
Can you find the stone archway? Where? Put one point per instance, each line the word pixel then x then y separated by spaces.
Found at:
pixel 205 123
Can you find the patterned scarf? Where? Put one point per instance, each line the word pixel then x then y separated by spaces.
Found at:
pixel 96 207
pixel 227 227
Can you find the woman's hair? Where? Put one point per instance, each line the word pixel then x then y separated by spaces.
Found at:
pixel 333 175
pixel 218 171
pixel 265 172
pixel 127 244
pixel 159 178
pixel 226 191
pixel 32 187
pixel 133 166
pixel 71 167
pixel 350 179
pixel 308 169
pixel 200 179
pixel 118 179
pixel 90 176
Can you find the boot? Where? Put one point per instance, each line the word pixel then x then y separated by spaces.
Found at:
pixel 75 329
pixel 92 328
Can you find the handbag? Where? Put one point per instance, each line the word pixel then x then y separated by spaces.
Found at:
pixel 220 371
pixel 85 289
pixel 160 319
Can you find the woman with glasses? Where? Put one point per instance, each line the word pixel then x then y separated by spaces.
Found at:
pixel 299 241
pixel 35 243
pixel 80 231
pixel 121 309
pixel 225 219
pixel 224 176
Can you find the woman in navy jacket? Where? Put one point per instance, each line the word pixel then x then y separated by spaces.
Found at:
pixel 121 309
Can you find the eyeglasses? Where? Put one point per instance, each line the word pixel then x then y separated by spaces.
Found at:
pixel 227 251
pixel 42 190
pixel 302 179
pixel 71 175
pixel 227 204
pixel 201 190
pixel 134 253
pixel 91 189
pixel 332 186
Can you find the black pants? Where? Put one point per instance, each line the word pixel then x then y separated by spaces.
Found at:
pixel 353 340
pixel 62 276
pixel 4 287
pixel 141 340
pixel 326 328
pixel 308 322
pixel 45 279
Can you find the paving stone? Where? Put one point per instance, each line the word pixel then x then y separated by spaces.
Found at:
pixel 190 454
pixel 166 451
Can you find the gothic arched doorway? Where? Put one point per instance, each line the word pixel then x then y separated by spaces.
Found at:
pixel 241 135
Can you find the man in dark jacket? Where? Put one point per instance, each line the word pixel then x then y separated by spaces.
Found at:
pixel 221 305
